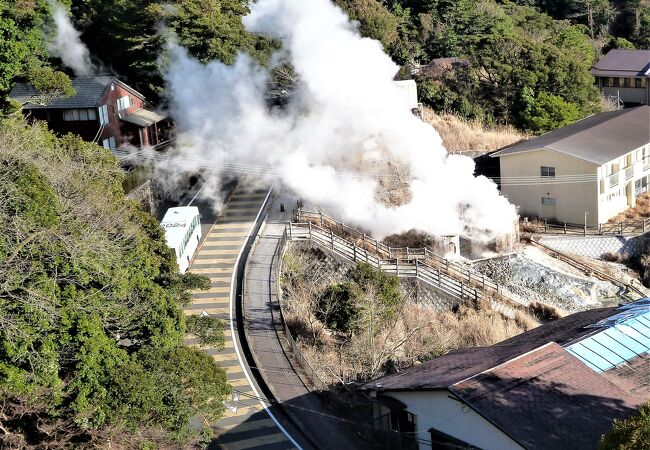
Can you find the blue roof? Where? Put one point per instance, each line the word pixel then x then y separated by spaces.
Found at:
pixel 623 337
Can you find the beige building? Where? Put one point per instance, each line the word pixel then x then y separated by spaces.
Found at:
pixel 624 75
pixel 593 169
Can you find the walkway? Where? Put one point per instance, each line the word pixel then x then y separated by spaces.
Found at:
pixel 245 424
pixel 305 408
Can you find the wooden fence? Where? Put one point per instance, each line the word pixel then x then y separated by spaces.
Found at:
pixel 616 229
pixel 413 268
pixel 410 258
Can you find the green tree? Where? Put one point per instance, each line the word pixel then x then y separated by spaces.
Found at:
pixel 632 433
pixel 546 112
pixel 90 305
pixel 375 21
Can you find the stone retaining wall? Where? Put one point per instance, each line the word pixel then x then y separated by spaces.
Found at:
pixel 596 246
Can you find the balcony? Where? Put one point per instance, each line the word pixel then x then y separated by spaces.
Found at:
pixel 629 172
pixel 613 180
pixel 646 164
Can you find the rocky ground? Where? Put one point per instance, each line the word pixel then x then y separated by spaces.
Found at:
pixel 534 276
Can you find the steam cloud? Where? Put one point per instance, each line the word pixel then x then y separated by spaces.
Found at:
pixel 67 43
pixel 345 113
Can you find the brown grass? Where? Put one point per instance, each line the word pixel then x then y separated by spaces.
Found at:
pixel 621 258
pixel 470 137
pixel 640 211
pixel 416 333
pixel 544 312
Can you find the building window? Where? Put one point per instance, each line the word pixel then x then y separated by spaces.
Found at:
pixel 103 115
pixel 547 171
pixel 549 201
pixel 109 143
pixel 639 82
pixel 123 103
pixel 74 115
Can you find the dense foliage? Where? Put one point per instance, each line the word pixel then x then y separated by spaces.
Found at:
pixel 632 433
pixel 518 66
pixel 91 325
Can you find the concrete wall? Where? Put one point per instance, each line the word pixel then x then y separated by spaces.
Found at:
pixel 628 95
pixel 573 199
pixel 596 246
pixel 434 409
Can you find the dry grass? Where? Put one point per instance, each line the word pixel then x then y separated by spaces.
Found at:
pixel 640 211
pixel 620 258
pixel 467 137
pixel 544 312
pixel 416 333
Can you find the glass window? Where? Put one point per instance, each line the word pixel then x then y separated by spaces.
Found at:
pixel 549 201
pixel 83 114
pixel 92 115
pixel 67 115
pixel 123 103
pixel 103 115
pixel 547 171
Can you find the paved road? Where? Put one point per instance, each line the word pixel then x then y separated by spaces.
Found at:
pixel 246 423
pixel 264 335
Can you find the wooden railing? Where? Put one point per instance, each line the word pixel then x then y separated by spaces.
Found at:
pixel 421 256
pixel 616 229
pixel 411 268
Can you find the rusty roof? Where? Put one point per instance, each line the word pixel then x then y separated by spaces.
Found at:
pixel 547 399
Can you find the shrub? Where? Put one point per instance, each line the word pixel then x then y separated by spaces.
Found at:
pixel 208 329
pixel 632 433
pixel 338 307
pixel 544 312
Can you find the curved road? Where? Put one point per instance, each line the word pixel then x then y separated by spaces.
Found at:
pixel 248 423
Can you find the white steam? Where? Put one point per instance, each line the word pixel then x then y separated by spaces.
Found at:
pixel 67 43
pixel 346 112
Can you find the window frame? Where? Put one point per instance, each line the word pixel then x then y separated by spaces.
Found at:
pixel 550 171
pixel 549 201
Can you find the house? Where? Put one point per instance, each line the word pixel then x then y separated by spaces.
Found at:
pixel 624 75
pixel 103 110
pixel 409 91
pixel 590 170
pixel 558 386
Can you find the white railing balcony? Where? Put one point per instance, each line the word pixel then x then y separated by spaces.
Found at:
pixel 646 164
pixel 613 180
pixel 629 172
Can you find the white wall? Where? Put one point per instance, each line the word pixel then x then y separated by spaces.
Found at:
pixel 573 199
pixel 434 409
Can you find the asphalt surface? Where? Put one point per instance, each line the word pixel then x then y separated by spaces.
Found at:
pixel 277 367
pixel 247 423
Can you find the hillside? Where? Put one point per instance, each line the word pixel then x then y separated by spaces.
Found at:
pixel 90 306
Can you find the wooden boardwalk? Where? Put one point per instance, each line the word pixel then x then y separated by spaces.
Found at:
pixel 246 424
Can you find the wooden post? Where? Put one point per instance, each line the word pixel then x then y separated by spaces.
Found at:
pixel 469 278
pixel 377 247
pixel 483 276
pixel 643 226
pixel 390 252
pixel 564 227
pixel 309 225
pixel 354 252
pixel 545 226
pixel 332 238
pixel 447 265
pixel 462 293
pixel 438 270
pixel 364 240
pixel 321 217
pixel 290 231
pixel 585 230
pixel 397 266
pixel 621 227
pixel 407 253
pixel 416 268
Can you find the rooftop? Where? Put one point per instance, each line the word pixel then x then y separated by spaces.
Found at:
pixel 89 92
pixel 528 397
pixel 623 63
pixel 596 139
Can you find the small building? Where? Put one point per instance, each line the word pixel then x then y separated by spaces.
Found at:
pixel 590 170
pixel 624 74
pixel 558 386
pixel 409 90
pixel 103 110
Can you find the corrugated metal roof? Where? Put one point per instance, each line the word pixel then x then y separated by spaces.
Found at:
pixel 623 63
pixel 597 139
pixel 89 91
pixel 143 117
pixel 626 336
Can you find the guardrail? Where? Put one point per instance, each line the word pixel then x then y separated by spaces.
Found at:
pixel 588 268
pixel 302 361
pixel 616 229
pixel 422 256
pixel 411 268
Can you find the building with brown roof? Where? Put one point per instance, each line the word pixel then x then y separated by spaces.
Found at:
pixel 593 168
pixel 558 386
pixel 103 110
pixel 624 74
